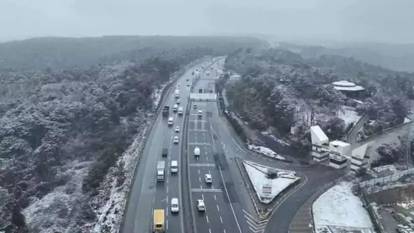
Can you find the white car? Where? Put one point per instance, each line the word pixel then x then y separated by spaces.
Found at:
pixel 176 140
pixel 200 114
pixel 200 205
pixel 174 166
pixel 174 206
pixel 177 129
pixel 208 178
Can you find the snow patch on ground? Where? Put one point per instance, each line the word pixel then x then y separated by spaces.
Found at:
pixel 258 177
pixel 348 114
pixel 156 95
pixel 265 151
pixel 338 209
pixel 112 199
pixel 274 138
pixel 59 204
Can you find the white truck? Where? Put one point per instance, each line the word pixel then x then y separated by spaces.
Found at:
pixel 177 93
pixel 160 170
pixel 180 110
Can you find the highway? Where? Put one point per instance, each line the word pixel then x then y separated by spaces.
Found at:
pixel 146 193
pixel 229 206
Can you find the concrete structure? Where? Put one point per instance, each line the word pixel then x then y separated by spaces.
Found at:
pixel 339 152
pixel 320 144
pixel 209 97
pixel 359 158
pixel 349 88
pixel 337 161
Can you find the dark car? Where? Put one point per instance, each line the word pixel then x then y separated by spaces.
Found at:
pixel 164 152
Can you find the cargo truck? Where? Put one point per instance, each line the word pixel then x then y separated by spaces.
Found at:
pixel 160 170
pixel 158 221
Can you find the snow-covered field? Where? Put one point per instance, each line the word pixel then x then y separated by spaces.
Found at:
pixel 348 114
pixel 338 209
pixel 265 151
pixel 257 175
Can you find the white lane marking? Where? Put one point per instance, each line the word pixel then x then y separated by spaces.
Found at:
pixel 199 179
pixel 202 165
pixel 207 218
pixel 221 219
pixel 166 224
pixel 202 196
pixel 167 189
pixel 215 197
pixel 198 171
pixel 201 186
pixel 166 213
pixel 228 196
pixel 218 208
pixel 206 190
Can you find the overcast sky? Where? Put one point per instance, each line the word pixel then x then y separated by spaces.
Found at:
pixel 341 20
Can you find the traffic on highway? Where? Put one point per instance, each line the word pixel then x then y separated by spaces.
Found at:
pixel 189 177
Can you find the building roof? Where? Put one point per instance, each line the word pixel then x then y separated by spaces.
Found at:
pixel 338 143
pixel 345 85
pixel 317 135
pixel 360 151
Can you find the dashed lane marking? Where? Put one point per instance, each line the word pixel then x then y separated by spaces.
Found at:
pixel 202 165
pixel 206 190
pixel 199 144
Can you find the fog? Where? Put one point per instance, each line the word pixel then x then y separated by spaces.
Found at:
pixel 350 20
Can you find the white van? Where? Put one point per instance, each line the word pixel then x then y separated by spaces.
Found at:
pixel 170 121
pixel 197 152
pixel 175 107
pixel 180 110
pixel 174 166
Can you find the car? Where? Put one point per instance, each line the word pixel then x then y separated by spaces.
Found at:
pixel 208 178
pixel 200 114
pixel 174 206
pixel 164 152
pixel 195 106
pixel 174 166
pixel 177 129
pixel 201 207
pixel 176 140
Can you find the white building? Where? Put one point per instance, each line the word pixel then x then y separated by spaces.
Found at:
pixel 339 152
pixel 320 144
pixel 359 158
pixel 347 86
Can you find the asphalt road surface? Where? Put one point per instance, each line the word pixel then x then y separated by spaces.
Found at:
pixel 228 203
pixel 146 193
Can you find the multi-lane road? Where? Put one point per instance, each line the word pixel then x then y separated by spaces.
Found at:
pixel 228 204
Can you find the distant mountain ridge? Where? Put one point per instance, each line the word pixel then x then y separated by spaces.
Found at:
pixel 398 57
pixel 65 53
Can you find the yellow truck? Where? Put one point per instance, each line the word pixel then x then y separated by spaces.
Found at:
pixel 158 222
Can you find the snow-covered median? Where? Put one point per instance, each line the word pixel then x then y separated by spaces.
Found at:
pixel 338 209
pixel 265 151
pixel 268 188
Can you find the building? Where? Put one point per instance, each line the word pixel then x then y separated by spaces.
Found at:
pixel 339 152
pixel 359 158
pixel 348 88
pixel 320 144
